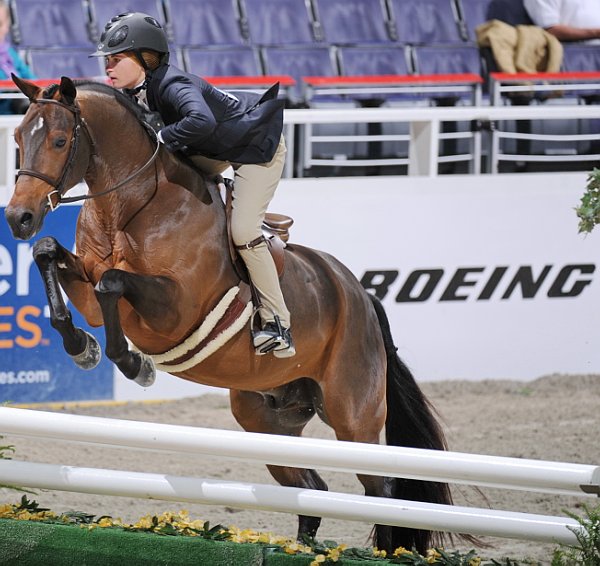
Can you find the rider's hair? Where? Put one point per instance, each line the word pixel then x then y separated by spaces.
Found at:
pixel 152 59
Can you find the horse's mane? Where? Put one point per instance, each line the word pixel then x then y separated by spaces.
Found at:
pixel 101 88
pixel 108 90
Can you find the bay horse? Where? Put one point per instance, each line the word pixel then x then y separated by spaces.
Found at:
pixel 152 266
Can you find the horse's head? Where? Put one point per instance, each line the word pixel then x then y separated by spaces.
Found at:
pixel 54 154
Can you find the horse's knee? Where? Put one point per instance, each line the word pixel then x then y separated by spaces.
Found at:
pixel 111 282
pixel 45 249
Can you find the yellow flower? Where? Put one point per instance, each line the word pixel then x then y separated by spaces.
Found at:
pixel 105 522
pixel 433 555
pixel 400 551
pixel 333 554
pixel 319 559
pixel 382 553
pixel 475 561
pixel 292 548
pixel 144 523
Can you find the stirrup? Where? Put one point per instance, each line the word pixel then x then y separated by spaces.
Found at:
pixel 273 337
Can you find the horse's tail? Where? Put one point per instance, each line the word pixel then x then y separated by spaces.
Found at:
pixel 410 422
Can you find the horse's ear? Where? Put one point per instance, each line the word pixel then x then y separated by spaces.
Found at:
pixel 29 89
pixel 67 90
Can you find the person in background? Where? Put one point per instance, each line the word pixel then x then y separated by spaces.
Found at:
pixel 11 62
pixel 214 129
pixel 567 20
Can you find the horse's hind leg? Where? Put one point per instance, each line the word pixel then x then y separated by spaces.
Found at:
pixel 285 410
pixel 59 267
pixel 360 418
pixel 149 296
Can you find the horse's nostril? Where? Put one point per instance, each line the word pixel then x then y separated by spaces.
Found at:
pixel 26 219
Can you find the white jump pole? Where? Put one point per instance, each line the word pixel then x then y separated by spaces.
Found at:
pixel 291 500
pixel 433 465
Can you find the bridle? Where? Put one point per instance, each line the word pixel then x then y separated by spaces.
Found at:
pixel 59 185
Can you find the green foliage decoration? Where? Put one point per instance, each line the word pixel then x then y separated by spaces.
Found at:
pixel 589 209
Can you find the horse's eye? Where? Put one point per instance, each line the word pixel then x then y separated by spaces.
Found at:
pixel 60 142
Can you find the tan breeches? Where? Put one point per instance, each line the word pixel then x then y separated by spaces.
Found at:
pixel 253 190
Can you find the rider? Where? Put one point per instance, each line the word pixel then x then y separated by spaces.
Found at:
pixel 214 129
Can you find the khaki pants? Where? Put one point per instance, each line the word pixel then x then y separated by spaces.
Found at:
pixel 254 188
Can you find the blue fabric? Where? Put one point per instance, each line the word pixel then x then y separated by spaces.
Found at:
pixel 21 70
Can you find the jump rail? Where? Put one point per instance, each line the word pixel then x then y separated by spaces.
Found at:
pixel 512 473
pixel 352 457
pixel 291 500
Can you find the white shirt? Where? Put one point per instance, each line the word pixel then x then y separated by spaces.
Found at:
pixel 573 13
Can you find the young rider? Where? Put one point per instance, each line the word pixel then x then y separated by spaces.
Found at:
pixel 215 130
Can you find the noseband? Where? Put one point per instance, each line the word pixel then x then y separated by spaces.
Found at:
pixel 59 185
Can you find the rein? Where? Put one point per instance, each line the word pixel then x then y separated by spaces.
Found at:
pixel 58 185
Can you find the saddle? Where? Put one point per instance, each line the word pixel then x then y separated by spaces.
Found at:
pixel 275 233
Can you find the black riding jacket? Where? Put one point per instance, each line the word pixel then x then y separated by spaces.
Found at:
pixel 241 127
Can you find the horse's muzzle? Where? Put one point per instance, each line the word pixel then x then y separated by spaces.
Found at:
pixel 24 223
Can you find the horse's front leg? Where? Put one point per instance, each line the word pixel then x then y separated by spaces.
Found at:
pixel 151 298
pixel 59 267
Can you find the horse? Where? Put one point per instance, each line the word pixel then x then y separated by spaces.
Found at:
pixel 152 265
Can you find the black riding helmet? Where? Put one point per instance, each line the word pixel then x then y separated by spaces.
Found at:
pixel 135 32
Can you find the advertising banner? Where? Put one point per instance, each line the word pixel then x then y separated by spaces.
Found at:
pixel 482 277
pixel 33 364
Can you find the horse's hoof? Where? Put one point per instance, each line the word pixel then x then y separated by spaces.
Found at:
pixel 91 355
pixel 147 374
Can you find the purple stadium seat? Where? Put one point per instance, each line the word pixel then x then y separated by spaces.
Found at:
pixel 40 23
pixel 74 63
pixel 209 22
pixel 219 62
pixel 426 21
pixel 348 22
pixel 103 10
pixel 299 62
pixel 373 60
pixel 582 57
pixel 279 22
pixel 447 60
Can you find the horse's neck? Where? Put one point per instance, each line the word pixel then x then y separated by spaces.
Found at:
pixel 122 148
pixel 121 145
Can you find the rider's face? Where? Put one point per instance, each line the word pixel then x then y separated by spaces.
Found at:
pixel 124 70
